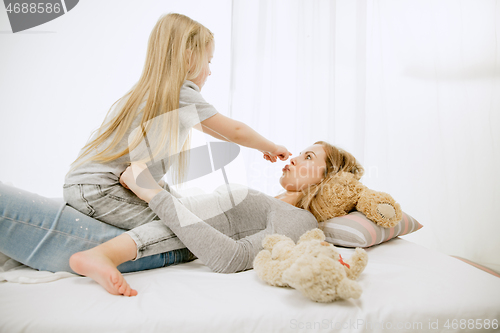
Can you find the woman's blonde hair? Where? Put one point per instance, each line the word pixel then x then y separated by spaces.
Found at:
pixel 177 49
pixel 337 160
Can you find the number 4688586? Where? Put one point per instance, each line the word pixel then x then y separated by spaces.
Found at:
pixel 33 8
pixel 471 324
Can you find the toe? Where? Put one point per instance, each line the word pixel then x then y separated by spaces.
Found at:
pixel 122 288
pixel 116 279
pixel 129 291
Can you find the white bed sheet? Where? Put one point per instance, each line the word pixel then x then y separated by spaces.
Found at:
pixel 406 288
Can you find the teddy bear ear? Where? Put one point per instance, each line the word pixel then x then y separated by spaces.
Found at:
pixel 270 240
pixel 312 234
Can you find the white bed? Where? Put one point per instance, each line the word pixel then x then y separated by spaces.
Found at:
pixel 406 288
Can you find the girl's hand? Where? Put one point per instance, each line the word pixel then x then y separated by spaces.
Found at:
pixel 280 152
pixel 269 157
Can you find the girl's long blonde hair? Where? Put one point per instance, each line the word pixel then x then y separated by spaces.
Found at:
pixel 337 160
pixel 177 49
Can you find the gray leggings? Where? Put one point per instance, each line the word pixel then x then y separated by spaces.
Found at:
pixel 117 206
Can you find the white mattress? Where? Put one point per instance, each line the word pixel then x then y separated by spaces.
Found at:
pixel 406 288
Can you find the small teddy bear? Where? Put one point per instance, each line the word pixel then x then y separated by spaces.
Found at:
pixel 343 192
pixel 313 266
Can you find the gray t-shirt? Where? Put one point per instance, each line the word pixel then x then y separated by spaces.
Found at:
pixel 225 229
pixel 192 110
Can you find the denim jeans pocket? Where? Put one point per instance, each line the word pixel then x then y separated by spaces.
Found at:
pixel 78 196
pixel 112 204
pixel 120 193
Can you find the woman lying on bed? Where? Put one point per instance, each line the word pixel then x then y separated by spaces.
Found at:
pixel 224 229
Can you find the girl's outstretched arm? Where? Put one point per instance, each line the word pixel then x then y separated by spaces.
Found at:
pixel 242 134
pixel 207 130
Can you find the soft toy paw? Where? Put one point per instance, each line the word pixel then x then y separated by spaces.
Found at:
pixel 343 192
pixel 312 266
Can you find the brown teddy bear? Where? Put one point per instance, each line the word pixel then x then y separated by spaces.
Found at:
pixel 343 192
pixel 313 266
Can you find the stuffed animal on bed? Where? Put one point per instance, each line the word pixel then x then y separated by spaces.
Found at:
pixel 313 266
pixel 343 192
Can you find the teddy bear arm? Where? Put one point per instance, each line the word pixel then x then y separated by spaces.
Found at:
pixel 357 263
pixel 379 207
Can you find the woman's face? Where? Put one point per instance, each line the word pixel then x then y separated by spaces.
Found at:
pixel 306 169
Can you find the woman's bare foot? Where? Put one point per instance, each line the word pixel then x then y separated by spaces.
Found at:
pixel 102 270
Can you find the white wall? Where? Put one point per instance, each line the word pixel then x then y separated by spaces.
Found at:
pixel 59 79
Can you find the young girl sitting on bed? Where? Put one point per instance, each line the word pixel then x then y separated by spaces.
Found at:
pixel 152 124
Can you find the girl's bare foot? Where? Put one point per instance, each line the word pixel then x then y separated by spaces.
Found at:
pixel 101 269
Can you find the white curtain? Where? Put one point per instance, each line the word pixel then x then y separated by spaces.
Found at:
pixel 411 88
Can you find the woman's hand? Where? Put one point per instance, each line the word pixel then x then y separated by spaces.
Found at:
pixel 139 180
pixel 280 152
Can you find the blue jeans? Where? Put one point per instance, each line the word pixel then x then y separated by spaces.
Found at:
pixel 112 204
pixel 43 234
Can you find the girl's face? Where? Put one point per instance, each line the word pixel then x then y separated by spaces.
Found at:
pixel 306 169
pixel 205 72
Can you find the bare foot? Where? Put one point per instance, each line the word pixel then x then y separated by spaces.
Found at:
pixel 101 269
